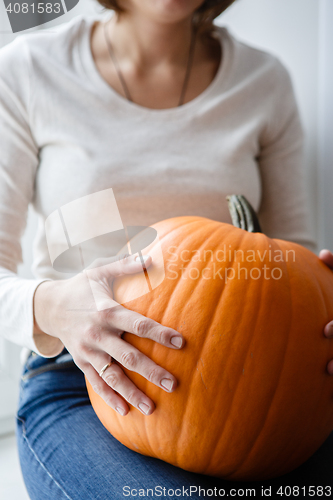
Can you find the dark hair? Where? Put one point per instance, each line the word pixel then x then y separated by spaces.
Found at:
pixel 204 15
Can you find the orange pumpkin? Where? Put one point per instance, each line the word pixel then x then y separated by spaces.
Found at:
pixel 253 400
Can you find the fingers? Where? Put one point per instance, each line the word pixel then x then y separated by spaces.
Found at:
pixel 115 378
pixel 104 390
pixel 128 264
pixel 130 321
pixel 134 360
pixel 100 278
pixel 327 257
pixel 330 367
pixel 328 330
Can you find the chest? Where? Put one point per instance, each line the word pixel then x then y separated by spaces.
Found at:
pixel 158 166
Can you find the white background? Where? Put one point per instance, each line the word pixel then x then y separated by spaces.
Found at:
pixel 297 32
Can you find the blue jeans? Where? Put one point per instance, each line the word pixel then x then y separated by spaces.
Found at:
pixel 66 453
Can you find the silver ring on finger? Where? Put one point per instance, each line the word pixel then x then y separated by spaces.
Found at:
pixel 105 367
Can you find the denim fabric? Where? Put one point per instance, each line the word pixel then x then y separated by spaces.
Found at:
pixel 66 453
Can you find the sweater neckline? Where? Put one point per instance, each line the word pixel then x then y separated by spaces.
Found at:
pixel 105 90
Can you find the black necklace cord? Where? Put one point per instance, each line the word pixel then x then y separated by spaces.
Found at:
pixel 121 76
pixel 188 67
pixel 116 65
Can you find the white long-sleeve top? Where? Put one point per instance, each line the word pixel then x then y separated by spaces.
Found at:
pixel 65 133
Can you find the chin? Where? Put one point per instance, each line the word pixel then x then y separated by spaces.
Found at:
pixel 170 10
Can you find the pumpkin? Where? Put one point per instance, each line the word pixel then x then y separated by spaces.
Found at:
pixel 253 399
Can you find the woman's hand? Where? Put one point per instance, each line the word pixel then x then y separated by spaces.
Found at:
pixel 66 309
pixel 327 257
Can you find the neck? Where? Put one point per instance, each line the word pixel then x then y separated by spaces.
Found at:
pixel 148 44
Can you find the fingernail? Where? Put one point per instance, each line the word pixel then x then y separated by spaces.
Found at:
pixel 176 341
pixel 121 411
pixel 329 330
pixel 144 408
pixel 144 257
pixel 167 384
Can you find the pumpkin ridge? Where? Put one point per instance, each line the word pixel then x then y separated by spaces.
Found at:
pixel 179 279
pixel 212 317
pixel 295 451
pixel 181 429
pixel 319 394
pixel 290 455
pixel 152 452
pixel 161 320
pixel 271 398
pixel 161 237
pixel 146 430
pixel 315 279
pixel 186 223
pixel 243 235
pixel 189 236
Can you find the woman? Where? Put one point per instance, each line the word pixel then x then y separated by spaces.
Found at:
pixel 173 115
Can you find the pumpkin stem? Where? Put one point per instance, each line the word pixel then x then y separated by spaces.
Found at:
pixel 242 214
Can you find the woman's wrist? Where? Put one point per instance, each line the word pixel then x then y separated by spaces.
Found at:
pixel 46 341
pixel 41 307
